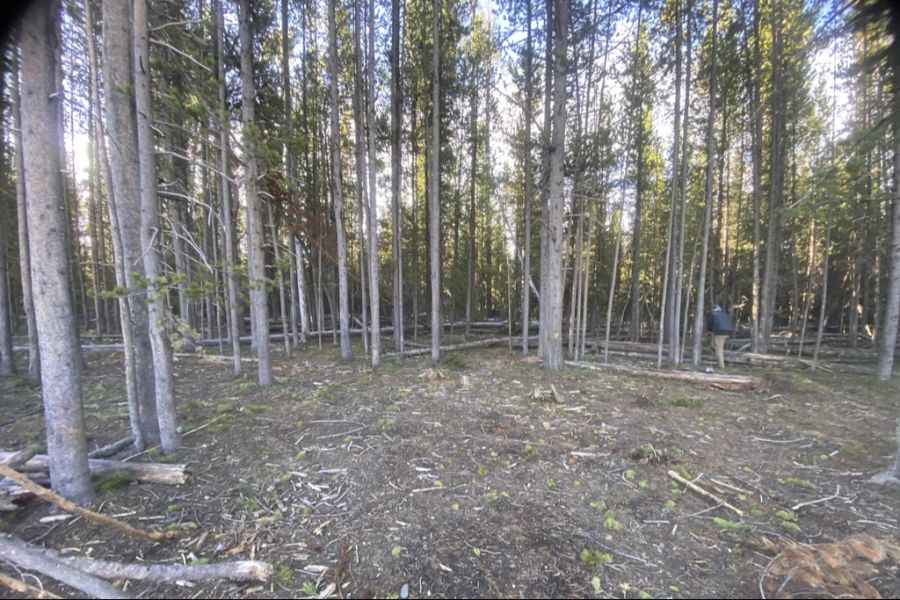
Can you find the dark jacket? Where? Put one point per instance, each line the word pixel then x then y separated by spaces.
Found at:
pixel 719 322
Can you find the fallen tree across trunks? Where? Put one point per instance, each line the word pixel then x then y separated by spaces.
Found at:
pixel 730 382
pixel 174 474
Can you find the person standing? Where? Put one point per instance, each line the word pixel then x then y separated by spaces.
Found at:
pixel 721 328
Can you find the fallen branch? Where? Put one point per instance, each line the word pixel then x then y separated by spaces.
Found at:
pixel 454 347
pixel 16 459
pixel 17 552
pixel 819 501
pixel 175 474
pixel 111 449
pixel 696 488
pixel 239 570
pixel 736 382
pixel 71 507
pixel 24 588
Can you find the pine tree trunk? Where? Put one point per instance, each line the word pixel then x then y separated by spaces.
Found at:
pixel 823 302
pixel 635 325
pixel 34 358
pixel 529 109
pixel 125 205
pixel 776 184
pixel 435 181
pixel 470 242
pixel 361 181
pixel 346 353
pixel 396 238
pixel 757 109
pixel 553 294
pixel 54 306
pixel 301 289
pixel 707 217
pixel 374 301
pixel 888 336
pixel 224 191
pixel 157 306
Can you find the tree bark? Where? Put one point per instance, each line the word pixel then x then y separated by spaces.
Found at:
pixel 435 181
pixel 18 553
pixel 529 109
pixel 125 205
pixel 396 125
pixel 553 294
pixel 256 238
pixel 635 325
pixel 224 191
pixel 823 301
pixel 374 301
pixel 360 149
pixel 61 362
pixel 888 335
pixel 34 358
pixel 346 352
pixel 150 237
pixel 707 216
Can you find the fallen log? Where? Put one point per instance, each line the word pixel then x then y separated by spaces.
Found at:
pixel 17 552
pixel 174 474
pixel 240 570
pixel 16 459
pixel 111 449
pixel 454 347
pixel 72 508
pixel 731 382
pixel 23 588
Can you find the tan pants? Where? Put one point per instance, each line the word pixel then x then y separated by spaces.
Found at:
pixel 718 345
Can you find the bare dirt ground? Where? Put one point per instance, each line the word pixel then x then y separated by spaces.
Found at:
pixel 466 480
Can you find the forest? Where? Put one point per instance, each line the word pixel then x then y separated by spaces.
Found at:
pixel 408 298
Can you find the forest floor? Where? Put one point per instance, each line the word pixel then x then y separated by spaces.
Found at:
pixel 462 481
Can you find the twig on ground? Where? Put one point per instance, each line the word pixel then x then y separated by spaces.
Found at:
pixel 819 501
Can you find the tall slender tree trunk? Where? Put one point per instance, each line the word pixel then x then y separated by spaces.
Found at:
pixel 396 125
pixel 301 289
pixel 888 334
pixel 529 109
pixel 224 191
pixel 545 166
pixel 289 160
pixel 34 357
pixel 811 259
pixel 360 148
pixel 54 306
pixel 470 242
pixel 635 326
pixel 256 238
pixel 553 294
pixel 677 283
pixel 776 185
pixel 374 302
pixel 164 381
pixel 125 206
pixel 823 302
pixel 684 298
pixel 435 181
pixel 346 353
pixel 707 216
pixel 756 143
